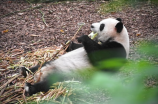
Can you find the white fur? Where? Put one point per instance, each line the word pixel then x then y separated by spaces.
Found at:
pixel 26 88
pixel 74 60
pixel 109 31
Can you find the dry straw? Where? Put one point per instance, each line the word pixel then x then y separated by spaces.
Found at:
pixel 12 83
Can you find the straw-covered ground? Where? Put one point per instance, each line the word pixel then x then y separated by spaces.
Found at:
pixel 33 33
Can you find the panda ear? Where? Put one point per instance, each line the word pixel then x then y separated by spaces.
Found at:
pixel 119 27
pixel 119 19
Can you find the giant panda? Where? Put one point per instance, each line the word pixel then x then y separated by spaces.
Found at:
pixel 114 43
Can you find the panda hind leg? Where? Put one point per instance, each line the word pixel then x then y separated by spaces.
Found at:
pixel 45 84
pixel 31 89
pixel 23 71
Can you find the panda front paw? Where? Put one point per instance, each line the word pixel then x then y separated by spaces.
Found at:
pixel 82 38
pixel 29 89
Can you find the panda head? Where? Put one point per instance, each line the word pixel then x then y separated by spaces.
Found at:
pixel 111 28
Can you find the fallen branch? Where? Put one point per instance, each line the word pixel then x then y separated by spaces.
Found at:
pixel 12 98
pixel 23 95
pixel 40 12
pixel 37 7
pixel 2 90
pixel 9 81
pixel 43 17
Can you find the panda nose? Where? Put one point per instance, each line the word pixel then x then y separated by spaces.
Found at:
pixel 92 26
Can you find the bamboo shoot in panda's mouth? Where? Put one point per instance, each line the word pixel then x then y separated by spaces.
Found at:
pixel 92 35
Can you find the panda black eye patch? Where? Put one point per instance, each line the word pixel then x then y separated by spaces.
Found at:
pixel 102 27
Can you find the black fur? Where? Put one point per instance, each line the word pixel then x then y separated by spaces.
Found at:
pixel 73 46
pixel 37 87
pixel 107 50
pixel 119 19
pixel 23 70
pixel 44 85
pixel 102 27
pixel 33 69
pixel 92 26
pixel 119 27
